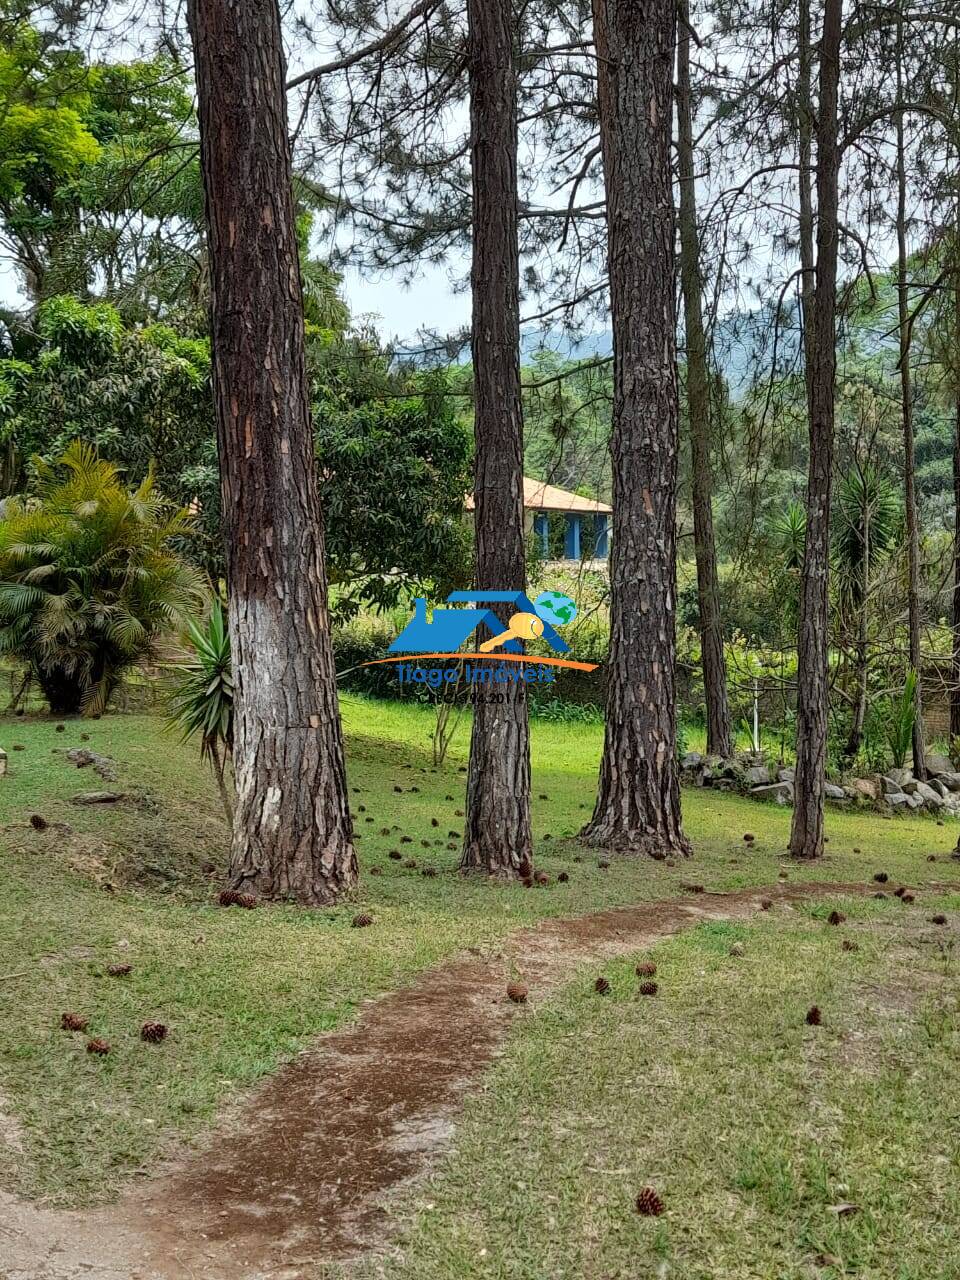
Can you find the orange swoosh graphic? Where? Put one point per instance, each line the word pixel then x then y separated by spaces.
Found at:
pixel 486 657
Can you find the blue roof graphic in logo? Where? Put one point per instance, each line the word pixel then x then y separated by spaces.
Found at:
pixel 448 629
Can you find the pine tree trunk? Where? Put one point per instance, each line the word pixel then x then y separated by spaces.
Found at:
pixel 497 836
pixel 805 127
pixel 292 833
pixel 806 833
pixel 955 691
pixel 638 803
pixel 719 738
pixel 909 450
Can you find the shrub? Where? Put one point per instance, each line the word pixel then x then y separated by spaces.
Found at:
pixel 89 580
pixel 201 699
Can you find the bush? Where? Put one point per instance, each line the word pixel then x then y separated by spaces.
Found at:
pixel 89 582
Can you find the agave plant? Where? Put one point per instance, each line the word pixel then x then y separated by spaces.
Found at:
pixel 201 699
pixel 90 583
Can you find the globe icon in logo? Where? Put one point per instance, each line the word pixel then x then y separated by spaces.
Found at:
pixel 557 609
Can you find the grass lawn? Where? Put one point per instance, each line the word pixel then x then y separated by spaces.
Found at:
pixel 242 991
pixel 779 1149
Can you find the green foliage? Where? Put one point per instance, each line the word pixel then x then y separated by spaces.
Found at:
pixel 201 697
pixel 899 714
pixel 201 701
pixel 89 581
pixel 393 469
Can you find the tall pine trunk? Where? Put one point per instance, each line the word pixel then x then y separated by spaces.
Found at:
pixel 719 738
pixel 955 691
pixel 806 833
pixel 638 802
pixel 497 836
pixel 292 833
pixel 909 449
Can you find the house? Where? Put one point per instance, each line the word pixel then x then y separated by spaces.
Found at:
pixel 541 500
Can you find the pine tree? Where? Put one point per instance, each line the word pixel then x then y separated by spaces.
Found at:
pixel 638 804
pixel 292 833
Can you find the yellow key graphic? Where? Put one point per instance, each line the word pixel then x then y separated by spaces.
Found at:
pixel 522 626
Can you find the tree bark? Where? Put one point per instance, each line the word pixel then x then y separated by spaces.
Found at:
pixel 638 801
pixel 719 738
pixel 806 834
pixel 955 691
pixel 292 834
pixel 909 450
pixel 497 835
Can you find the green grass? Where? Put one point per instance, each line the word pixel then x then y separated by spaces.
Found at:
pixel 242 991
pixel 752 1125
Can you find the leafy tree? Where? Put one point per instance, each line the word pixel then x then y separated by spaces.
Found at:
pixel 90 583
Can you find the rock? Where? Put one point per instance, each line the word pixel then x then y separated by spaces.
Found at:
pixel 951 781
pixel 868 788
pixel 102 765
pixel 786 775
pixel 937 764
pixel 900 776
pixel 941 790
pixel 898 800
pixel 757 775
pixel 781 792
pixel 928 795
pixel 97 797
pixel 833 792
pixel 691 761
pixel 891 786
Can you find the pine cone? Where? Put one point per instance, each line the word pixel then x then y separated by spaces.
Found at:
pixel 395 855
pixel 73 1022
pixel 38 823
pixel 693 888
pixel 119 970
pixel 61 728
pixel 429 872
pixel 649 1203
pixel 648 988
pixel 847 945
pixel 362 921
pixel 836 917
pixel 153 1032
pixel 376 871
pixel 881 877
pixel 98 1046
pixel 907 898
pixel 603 864
pixel 749 837
pixel 601 986
pixel 434 822
pixel 541 878
pixel 646 970
pixel 562 878
pixel 233 898
pixel 879 895
pixel 898 893
pixel 813 1016
pixel 411 864
pixel 766 904
pixel 517 992
pixel 527 881
pixel 938 919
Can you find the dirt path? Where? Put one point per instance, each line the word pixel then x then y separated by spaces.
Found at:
pixel 300 1172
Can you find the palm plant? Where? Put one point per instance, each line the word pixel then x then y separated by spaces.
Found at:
pixel 90 582
pixel 201 700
